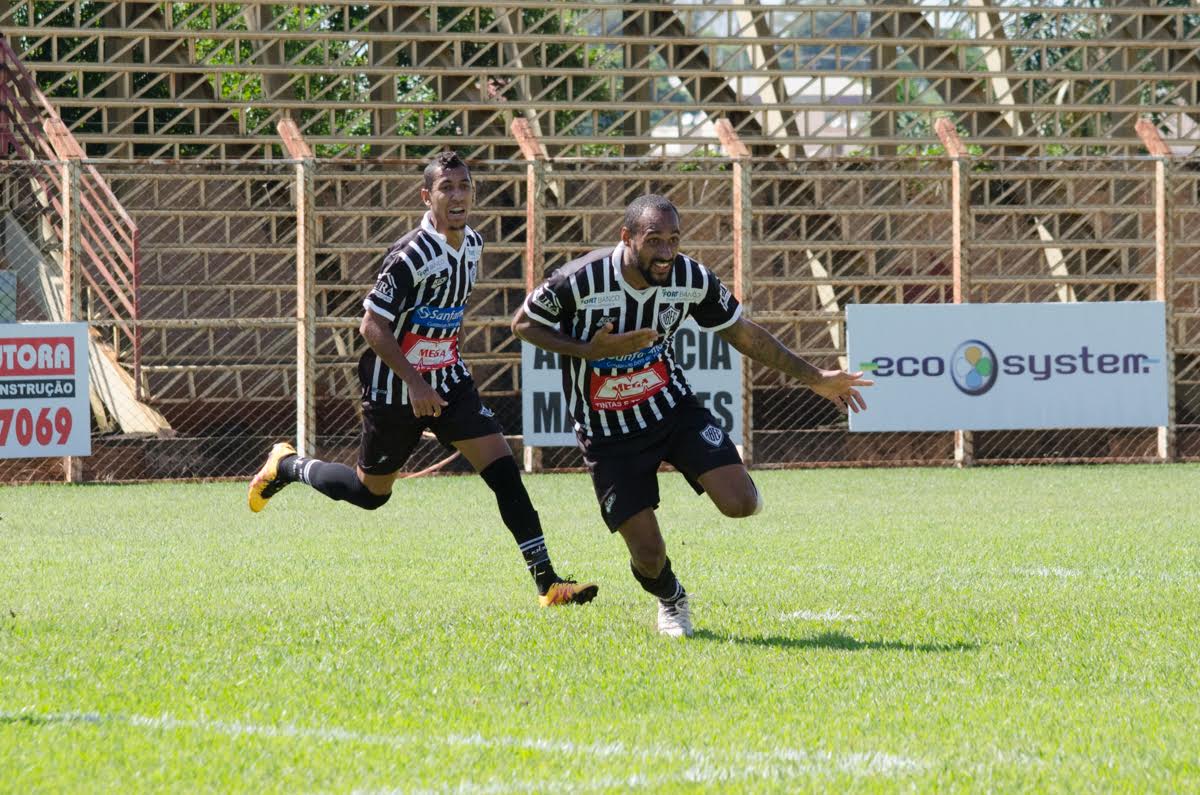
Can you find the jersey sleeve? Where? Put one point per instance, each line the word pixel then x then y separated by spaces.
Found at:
pixel 552 302
pixel 397 279
pixel 718 309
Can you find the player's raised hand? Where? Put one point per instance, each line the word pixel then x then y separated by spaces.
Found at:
pixel 606 344
pixel 424 400
pixel 838 386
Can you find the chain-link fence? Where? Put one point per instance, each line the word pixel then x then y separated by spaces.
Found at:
pixel 236 324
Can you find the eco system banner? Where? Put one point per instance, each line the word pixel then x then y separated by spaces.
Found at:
pixel 1009 366
pixel 711 366
pixel 44 408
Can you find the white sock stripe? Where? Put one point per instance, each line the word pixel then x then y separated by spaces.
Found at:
pixel 304 472
pixel 531 543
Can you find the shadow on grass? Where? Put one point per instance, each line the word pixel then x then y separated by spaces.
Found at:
pixel 834 640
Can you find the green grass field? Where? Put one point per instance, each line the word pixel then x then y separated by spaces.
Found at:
pixel 994 629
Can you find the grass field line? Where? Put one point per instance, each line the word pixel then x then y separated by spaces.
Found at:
pixel 703 767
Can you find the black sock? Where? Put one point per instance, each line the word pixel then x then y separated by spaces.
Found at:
pixel 503 478
pixel 664 586
pixel 336 481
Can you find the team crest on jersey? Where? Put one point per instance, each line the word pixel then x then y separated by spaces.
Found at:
pixel 486 412
pixel 668 317
pixel 713 435
pixel 438 282
pixel 545 298
pixel 385 288
pixel 725 296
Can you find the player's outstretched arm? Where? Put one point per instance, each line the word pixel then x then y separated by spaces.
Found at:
pixel 837 386
pixel 601 346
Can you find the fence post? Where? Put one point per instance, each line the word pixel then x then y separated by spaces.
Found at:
pixel 306 287
pixel 72 263
pixel 535 233
pixel 960 219
pixel 1164 281
pixel 743 220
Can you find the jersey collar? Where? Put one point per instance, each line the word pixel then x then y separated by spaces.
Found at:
pixel 427 225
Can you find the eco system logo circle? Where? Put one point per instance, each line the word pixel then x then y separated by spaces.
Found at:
pixel 973 367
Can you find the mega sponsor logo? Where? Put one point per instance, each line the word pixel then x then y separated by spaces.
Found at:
pixel 974 366
pixel 625 361
pixel 618 392
pixel 35 356
pixel 426 354
pixel 439 316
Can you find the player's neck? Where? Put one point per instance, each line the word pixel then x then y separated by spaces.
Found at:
pixel 454 237
pixel 631 273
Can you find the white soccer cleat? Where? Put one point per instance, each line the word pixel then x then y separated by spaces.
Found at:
pixel 675 619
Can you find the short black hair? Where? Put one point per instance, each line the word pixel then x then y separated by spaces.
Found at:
pixel 638 207
pixel 440 162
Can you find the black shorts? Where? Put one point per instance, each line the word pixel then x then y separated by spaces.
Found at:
pixel 391 433
pixel 625 470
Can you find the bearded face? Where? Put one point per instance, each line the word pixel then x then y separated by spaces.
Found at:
pixel 654 245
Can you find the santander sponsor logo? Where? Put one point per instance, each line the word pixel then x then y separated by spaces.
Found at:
pixel 37 356
pixel 618 392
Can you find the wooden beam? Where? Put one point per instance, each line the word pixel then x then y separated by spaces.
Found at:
pixel 1151 138
pixel 531 146
pixel 293 139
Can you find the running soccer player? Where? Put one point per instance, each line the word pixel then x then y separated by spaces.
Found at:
pixel 412 379
pixel 632 406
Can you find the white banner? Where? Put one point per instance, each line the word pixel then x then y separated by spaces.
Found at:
pixel 44 409
pixel 711 366
pixel 1009 366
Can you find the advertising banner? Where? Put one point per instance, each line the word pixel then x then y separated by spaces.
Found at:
pixel 1009 366
pixel 711 366
pixel 44 408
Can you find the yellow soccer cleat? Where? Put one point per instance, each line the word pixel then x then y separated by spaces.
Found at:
pixel 266 483
pixel 568 592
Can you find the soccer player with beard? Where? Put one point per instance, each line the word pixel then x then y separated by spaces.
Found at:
pixel 632 411
pixel 412 379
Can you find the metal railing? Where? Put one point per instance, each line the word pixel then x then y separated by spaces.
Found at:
pixel 253 274
pixel 94 236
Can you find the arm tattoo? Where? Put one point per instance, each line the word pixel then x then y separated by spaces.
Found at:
pixel 763 347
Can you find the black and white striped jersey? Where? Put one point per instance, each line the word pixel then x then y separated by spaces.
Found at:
pixel 610 398
pixel 422 290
